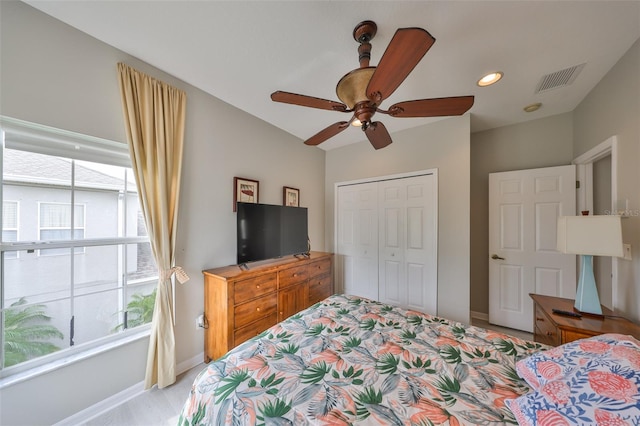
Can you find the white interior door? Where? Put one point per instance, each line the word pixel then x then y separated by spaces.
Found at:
pixel 357 240
pixel 523 209
pixel 408 242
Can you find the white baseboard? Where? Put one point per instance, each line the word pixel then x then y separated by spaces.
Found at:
pixel 480 316
pixel 103 406
pixel 190 363
pixel 123 396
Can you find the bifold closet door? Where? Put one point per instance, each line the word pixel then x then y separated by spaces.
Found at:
pixel 387 241
pixel 357 238
pixel 407 255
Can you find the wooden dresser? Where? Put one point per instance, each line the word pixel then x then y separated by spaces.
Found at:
pixel 240 304
pixel 553 329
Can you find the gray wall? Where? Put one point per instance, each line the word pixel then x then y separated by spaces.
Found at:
pixel 55 75
pixel 544 142
pixel 443 145
pixel 613 108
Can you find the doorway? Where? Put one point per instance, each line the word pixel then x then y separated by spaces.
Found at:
pixel 597 173
pixel 601 206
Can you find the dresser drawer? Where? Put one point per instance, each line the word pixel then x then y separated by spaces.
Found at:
pixel 291 276
pixel 252 330
pixel 570 336
pixel 544 331
pixel 253 310
pixel 254 287
pixel 321 267
pixel 319 289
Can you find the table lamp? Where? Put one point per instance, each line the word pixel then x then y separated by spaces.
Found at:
pixel 589 236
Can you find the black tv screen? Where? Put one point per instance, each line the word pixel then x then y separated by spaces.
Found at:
pixel 268 231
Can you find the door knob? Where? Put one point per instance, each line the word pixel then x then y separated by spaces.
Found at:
pixel 496 257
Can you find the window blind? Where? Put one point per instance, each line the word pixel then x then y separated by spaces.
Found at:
pixel 26 136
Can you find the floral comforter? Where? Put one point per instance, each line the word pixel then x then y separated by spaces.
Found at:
pixel 348 360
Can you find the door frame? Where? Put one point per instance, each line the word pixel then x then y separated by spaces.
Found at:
pixel 584 196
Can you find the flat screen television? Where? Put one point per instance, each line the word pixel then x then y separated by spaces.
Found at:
pixel 268 231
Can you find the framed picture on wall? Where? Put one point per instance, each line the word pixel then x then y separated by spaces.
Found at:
pixel 245 191
pixel 290 197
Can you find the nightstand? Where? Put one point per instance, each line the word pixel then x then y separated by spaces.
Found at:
pixel 553 329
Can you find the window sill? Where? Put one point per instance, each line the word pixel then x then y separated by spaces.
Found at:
pixel 31 373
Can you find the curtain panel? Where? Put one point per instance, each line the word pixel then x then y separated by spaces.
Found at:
pixel 154 114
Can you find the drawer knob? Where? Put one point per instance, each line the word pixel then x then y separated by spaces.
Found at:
pixel 258 309
pixel 258 286
pixel 539 319
pixel 549 333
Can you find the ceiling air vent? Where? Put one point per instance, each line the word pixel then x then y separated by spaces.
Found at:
pixel 559 79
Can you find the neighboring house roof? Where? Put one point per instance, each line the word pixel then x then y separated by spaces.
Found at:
pixel 24 166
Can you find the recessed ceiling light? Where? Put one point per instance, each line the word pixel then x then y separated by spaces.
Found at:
pixel 532 107
pixel 490 79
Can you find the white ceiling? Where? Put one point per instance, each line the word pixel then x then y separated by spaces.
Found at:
pixel 241 51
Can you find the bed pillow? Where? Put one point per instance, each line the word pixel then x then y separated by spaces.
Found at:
pixel 562 361
pixel 603 393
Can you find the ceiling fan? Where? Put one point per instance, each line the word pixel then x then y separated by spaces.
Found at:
pixel 363 89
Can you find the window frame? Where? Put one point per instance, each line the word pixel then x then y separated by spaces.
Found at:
pixel 24 136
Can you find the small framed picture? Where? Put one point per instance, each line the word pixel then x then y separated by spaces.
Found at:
pixel 290 197
pixel 245 191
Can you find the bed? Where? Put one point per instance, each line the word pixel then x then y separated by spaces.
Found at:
pixel 349 360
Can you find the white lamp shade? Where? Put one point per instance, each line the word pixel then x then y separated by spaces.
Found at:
pixel 590 235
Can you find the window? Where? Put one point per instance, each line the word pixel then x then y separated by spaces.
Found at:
pixel 85 273
pixel 55 224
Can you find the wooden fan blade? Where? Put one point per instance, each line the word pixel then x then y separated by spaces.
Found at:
pixel 307 101
pixel 436 107
pixel 378 135
pixel 327 133
pixel 405 50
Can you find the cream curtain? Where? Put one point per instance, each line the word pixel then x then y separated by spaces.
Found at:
pixel 154 115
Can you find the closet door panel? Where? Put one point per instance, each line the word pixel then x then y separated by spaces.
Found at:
pixel 415 225
pixel 421 255
pixel 392 274
pixel 416 289
pixel 408 240
pixel 392 290
pixel 357 238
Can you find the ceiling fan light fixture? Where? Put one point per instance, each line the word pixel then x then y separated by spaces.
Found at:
pixel 352 88
pixel 363 89
pixel 491 78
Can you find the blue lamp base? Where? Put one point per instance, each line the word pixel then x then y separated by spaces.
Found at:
pixel 587 300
